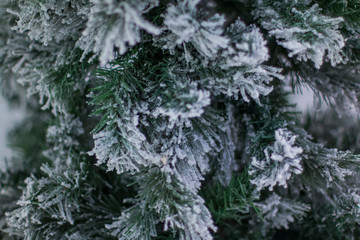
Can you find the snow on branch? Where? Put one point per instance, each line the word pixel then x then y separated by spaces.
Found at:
pixel 163 198
pixel 184 22
pixel 239 69
pixel 278 212
pixel 115 24
pixel 52 20
pixel 303 30
pixel 282 159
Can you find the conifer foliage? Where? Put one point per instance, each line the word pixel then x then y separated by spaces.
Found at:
pixel 170 119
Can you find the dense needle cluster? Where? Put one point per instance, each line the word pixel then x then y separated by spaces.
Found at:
pixel 170 119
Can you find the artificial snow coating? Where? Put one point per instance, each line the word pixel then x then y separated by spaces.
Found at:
pixel 171 119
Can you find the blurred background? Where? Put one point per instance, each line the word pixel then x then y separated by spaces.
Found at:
pixel 9 117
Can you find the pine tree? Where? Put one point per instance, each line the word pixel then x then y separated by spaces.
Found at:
pixel 171 119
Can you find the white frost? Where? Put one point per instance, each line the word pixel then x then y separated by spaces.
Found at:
pixel 282 159
pixel 115 24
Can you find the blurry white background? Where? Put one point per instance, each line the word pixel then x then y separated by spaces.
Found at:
pixel 8 118
pixel 304 100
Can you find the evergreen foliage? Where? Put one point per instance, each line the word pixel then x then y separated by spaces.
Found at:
pixel 171 119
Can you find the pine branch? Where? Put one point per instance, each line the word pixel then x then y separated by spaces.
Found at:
pixel 162 198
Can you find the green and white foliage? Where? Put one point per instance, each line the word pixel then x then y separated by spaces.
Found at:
pixel 52 20
pixel 63 197
pixel 281 161
pixel 349 212
pixel 171 128
pixel 54 196
pixel 43 49
pixel 44 70
pixel 187 156
pixel 335 165
pixel 303 30
pixel 248 47
pixel 278 212
pixel 62 137
pixel 188 26
pixel 230 61
pixel 169 119
pixel 226 156
pixel 187 104
pixel 240 66
pixel 115 24
pixel 8 198
pixel 162 198
pixel 53 81
pixel 119 141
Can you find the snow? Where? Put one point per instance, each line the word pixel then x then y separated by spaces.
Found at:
pixel 278 212
pixel 206 36
pixel 281 160
pixel 306 37
pixel 102 35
